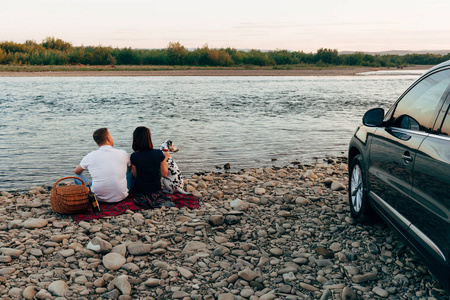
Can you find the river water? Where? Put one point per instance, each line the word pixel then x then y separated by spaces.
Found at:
pixel 46 123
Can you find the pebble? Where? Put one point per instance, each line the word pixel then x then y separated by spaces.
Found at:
pixel 364 278
pixel 380 292
pixel 185 272
pixel 216 220
pixel 276 251
pixel 113 261
pixel 58 288
pixel 60 237
pixel 11 252
pixel 29 292
pixel 34 223
pixel 337 186
pixel 348 294
pixel 226 296
pixel 122 284
pixel 260 191
pixel 247 275
pixel 99 245
pixel 139 248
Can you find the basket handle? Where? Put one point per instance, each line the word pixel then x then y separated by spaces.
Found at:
pixel 68 177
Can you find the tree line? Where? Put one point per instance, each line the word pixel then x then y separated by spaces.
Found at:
pixel 53 51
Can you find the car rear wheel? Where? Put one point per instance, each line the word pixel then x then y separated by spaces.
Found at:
pixel 360 208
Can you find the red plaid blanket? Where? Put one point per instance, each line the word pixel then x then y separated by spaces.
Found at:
pixel 118 208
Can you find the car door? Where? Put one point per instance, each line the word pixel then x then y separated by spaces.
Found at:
pixel 394 147
pixel 430 195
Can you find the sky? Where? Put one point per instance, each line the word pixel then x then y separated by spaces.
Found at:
pixel 296 25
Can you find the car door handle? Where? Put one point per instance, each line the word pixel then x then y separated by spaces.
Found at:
pixel 407 158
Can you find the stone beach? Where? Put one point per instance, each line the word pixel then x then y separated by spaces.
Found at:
pixel 272 233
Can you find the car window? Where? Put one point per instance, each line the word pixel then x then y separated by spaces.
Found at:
pixel 445 129
pixel 417 110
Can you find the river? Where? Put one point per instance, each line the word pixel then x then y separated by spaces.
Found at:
pixel 46 123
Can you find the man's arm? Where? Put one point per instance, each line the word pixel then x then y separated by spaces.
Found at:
pixel 78 170
pixel 164 167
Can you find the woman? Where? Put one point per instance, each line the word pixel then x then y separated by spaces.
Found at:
pixel 147 166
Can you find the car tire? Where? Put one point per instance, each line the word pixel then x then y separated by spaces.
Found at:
pixel 360 208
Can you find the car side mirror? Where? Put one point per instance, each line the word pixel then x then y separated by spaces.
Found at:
pixel 373 117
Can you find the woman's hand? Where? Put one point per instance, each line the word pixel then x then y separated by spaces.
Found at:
pixel 167 155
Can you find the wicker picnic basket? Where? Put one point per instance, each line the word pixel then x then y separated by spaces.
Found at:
pixel 69 199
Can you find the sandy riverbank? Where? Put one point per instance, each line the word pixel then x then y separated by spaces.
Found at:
pixel 56 71
pixel 272 233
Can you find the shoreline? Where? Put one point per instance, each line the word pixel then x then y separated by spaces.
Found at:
pixel 55 71
pixel 260 233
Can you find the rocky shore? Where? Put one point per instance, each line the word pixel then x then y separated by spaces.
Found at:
pixel 273 233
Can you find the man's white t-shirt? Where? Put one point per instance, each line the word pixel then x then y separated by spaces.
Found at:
pixel 108 169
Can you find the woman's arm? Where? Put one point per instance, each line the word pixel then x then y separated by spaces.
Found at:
pixel 133 170
pixel 164 168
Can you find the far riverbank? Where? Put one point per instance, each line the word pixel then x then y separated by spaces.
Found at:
pixel 88 71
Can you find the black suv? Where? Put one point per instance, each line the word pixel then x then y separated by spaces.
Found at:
pixel 399 167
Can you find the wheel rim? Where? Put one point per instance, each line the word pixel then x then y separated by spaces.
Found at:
pixel 357 188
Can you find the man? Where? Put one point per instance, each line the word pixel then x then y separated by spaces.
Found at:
pixel 108 168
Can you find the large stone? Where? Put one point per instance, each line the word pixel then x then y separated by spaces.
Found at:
pixel 121 249
pixel 268 296
pixel 152 282
pixel 185 272
pixel 160 244
pixel 260 191
pixel 216 220
pixel 34 223
pixel 276 251
pixel 67 252
pixel 60 237
pixel 139 248
pixel 114 294
pixel 15 224
pixel 58 288
pixel 308 287
pixel 5 258
pixel 100 246
pixel 179 295
pixel 36 252
pixel 348 294
pixel 29 292
pixel 11 252
pixel 227 296
pixel 7 271
pixel 301 201
pixel 43 294
pixel 122 284
pixel 336 247
pixel 380 292
pixel 247 275
pixel 337 186
pixel 236 203
pixel 327 253
pixel 194 246
pixel 113 261
pixel 364 278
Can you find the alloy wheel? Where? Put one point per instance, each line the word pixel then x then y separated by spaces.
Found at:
pixel 357 188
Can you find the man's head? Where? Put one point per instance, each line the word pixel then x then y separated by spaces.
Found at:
pixel 103 137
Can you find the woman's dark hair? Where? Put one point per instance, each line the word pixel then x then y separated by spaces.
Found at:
pixel 142 139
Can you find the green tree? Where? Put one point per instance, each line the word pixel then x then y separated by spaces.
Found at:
pixel 127 56
pixel 99 56
pixel 177 53
pixel 328 56
pixel 56 44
